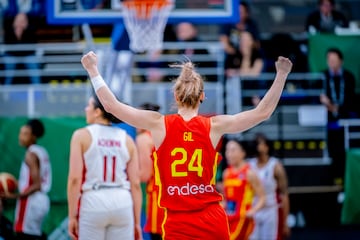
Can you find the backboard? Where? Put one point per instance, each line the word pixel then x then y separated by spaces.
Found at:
pixel 109 11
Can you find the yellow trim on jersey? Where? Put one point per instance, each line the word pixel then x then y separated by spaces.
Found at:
pixel 233 182
pixel 157 176
pixel 158 183
pixel 163 223
pixel 154 215
pixel 236 233
pixel 248 194
pixel 213 179
pixel 227 220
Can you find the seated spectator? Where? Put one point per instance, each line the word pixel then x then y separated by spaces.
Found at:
pixel 247 60
pixel 284 44
pixel 326 18
pixel 20 19
pixel 230 32
pixel 187 32
pixel 154 65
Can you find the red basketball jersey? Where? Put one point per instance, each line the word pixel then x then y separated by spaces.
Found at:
pixel 238 192
pixel 154 214
pixel 239 195
pixel 186 164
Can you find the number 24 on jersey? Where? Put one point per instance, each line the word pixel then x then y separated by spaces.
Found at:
pixel 194 165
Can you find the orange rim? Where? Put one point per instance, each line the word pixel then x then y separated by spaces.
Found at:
pixel 144 8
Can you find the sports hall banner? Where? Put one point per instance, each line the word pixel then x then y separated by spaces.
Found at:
pixel 351 207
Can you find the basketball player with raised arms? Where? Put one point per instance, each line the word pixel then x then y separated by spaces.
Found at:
pixel 104 193
pixel 186 158
pixel 33 203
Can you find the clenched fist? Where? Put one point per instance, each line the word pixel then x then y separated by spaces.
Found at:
pixel 283 65
pixel 89 62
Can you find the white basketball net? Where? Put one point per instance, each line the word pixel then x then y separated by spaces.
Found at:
pixel 145 24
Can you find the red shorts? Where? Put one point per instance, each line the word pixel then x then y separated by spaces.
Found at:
pixel 241 228
pixel 209 223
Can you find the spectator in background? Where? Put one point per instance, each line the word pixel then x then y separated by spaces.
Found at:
pixel 20 19
pixel 229 35
pixel 274 179
pixel 146 148
pixel 154 65
pixel 284 44
pixel 326 18
pixel 339 99
pixel 241 185
pixel 35 178
pixel 247 59
pixel 187 32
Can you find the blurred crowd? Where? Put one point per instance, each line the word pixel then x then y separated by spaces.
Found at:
pixel 248 49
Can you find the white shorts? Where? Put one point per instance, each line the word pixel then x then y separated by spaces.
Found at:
pixel 30 213
pixel 266 224
pixel 106 214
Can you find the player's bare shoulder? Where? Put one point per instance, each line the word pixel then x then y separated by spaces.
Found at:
pixel 81 135
pixel 221 124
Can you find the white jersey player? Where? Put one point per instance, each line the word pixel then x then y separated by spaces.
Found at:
pixel 34 183
pixel 106 159
pixel 273 177
pixel 104 194
pixel 267 218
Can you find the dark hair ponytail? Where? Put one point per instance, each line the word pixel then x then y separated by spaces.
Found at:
pixel 108 116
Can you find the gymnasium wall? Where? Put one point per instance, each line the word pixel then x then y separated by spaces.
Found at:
pixel 56 140
pixel 58 132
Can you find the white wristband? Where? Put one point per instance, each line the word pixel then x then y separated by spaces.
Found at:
pixel 97 82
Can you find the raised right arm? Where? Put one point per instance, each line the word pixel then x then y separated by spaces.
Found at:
pixel 142 119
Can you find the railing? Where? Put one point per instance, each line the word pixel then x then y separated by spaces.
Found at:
pixel 63 59
pixel 290 126
pixel 298 124
pixel 301 92
pixel 70 99
pixel 351 131
pixel 54 59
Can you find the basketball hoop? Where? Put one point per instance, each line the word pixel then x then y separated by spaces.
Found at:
pixel 145 22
